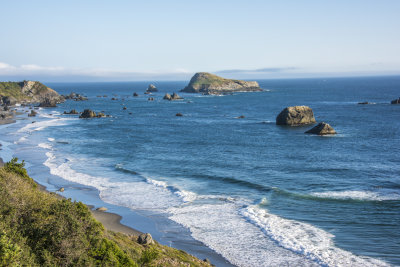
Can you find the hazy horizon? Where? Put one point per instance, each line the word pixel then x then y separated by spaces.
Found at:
pixel 135 41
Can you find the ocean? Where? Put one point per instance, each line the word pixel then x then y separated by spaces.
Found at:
pixel 243 192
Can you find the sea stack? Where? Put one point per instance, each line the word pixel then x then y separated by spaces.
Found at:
pixel 322 129
pixel 152 88
pixel 207 83
pixel 295 116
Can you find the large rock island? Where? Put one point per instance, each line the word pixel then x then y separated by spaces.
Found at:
pixel 207 83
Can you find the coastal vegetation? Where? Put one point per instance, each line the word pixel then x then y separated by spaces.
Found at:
pixel 38 228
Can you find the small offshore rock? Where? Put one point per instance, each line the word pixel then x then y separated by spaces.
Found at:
pixel 135 94
pixel 102 209
pixel 179 114
pixel 73 111
pixel 364 103
pixel 61 189
pixel 145 239
pixel 322 129
pixel 87 114
pixel 32 114
pixel 167 97
pixel 124 108
pixel 295 116
pixel 175 96
pixel 396 101
pixel 240 117
pixel 150 99
pixel 152 88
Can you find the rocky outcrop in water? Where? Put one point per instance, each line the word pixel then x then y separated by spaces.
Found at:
pixel 72 112
pixel 48 103
pixel 76 97
pixel 396 101
pixel 32 114
pixel 321 129
pixel 87 114
pixel 295 116
pixel 174 96
pixel 207 83
pixel 151 89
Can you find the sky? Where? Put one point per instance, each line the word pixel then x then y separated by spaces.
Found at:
pixel 170 40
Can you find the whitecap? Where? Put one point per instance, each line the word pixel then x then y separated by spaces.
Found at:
pixel 305 239
pixel 381 195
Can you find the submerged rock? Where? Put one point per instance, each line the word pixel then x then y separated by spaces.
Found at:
pixel 322 129
pixel 145 239
pixel 294 116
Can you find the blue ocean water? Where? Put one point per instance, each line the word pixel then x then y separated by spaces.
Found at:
pixel 256 193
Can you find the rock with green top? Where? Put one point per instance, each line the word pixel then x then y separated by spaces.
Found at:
pixel 207 83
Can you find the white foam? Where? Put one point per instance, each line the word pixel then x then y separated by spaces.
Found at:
pixel 21 140
pixel 157 183
pixel 134 195
pixel 45 146
pixel 305 239
pixel 220 227
pixel 381 195
pixel 51 139
pixel 38 126
pixel 185 196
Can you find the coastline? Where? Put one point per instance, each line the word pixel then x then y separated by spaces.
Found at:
pixel 118 218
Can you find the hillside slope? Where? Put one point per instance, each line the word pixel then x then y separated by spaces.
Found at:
pixel 39 229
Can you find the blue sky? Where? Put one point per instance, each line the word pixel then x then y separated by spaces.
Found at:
pixel 169 40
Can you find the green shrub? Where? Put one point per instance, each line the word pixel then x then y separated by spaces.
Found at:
pixel 148 256
pixel 9 252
